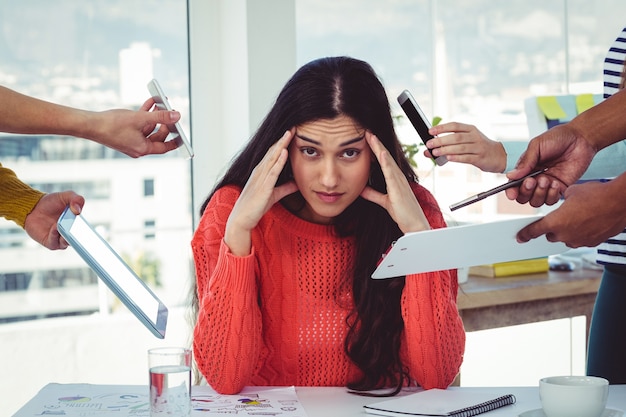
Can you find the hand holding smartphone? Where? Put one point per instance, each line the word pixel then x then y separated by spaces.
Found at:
pixel 176 129
pixel 418 120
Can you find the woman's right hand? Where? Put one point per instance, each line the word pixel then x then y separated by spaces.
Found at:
pixel 258 196
pixel 468 145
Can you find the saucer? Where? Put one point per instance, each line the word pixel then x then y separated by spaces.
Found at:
pixel 608 412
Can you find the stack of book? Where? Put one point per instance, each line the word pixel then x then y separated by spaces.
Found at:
pixel 507 269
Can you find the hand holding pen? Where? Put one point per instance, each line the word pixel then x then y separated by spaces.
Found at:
pixel 485 194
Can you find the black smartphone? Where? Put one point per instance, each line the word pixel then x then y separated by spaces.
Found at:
pixel 176 129
pixel 418 120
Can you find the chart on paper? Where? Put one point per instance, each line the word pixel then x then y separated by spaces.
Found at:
pixel 86 400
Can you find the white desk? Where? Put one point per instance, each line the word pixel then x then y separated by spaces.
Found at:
pixel 316 401
pixel 336 402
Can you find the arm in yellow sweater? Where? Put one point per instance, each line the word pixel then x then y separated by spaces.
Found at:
pixel 34 211
pixel 17 199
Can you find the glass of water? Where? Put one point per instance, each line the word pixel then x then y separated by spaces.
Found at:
pixel 170 381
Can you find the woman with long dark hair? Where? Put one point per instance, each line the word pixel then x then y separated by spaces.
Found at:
pixel 291 234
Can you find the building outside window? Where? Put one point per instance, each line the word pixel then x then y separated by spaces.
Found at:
pixel 474 62
pixel 95 56
pixel 148 187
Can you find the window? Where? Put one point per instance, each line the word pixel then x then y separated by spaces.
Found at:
pixel 110 52
pixel 473 62
pixel 14 281
pixel 476 70
pixel 99 55
pixel 148 187
pixel 95 56
pixel 149 227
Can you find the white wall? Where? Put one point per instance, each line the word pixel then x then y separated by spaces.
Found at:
pixel 241 54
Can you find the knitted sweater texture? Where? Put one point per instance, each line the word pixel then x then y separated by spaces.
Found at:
pixel 17 199
pixel 278 315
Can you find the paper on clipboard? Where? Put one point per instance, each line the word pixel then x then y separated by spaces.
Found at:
pixel 461 246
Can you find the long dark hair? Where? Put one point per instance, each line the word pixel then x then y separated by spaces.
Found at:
pixel 324 89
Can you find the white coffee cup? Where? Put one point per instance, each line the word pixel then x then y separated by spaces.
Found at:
pixel 573 396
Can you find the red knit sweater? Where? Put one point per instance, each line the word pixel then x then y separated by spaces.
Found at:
pixel 278 316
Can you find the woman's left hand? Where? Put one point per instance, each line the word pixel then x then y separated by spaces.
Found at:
pixel 399 201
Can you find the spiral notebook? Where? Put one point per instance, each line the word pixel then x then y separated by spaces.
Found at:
pixel 439 402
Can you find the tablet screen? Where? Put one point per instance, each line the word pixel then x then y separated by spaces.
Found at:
pixel 118 276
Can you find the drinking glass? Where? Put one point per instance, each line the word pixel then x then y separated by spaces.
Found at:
pixel 170 381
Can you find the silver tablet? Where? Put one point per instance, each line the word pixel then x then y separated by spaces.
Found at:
pixel 115 273
pixel 461 246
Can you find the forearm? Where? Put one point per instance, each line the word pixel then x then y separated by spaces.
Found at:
pixel 227 335
pixel 434 337
pixel 434 333
pixel 604 123
pixel 616 198
pixel 28 115
pixel 238 240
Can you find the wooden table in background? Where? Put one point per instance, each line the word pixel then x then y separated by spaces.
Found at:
pixel 486 303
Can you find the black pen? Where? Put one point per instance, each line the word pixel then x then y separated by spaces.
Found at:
pixel 485 194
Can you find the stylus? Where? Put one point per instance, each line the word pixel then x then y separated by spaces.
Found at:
pixel 485 194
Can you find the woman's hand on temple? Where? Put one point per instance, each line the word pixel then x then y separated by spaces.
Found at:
pixel 399 201
pixel 259 194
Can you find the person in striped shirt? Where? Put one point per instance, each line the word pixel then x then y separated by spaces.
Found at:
pixel 607 335
pixel 585 218
pixel 593 213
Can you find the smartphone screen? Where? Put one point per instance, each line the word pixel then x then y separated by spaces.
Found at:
pixel 176 129
pixel 418 120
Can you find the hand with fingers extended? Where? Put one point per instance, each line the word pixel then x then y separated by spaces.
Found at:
pixel 466 144
pixel 400 201
pixel 571 224
pixel 133 132
pixel 259 194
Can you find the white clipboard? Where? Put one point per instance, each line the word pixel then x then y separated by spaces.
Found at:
pixel 461 246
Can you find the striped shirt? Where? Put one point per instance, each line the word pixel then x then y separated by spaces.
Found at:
pixel 613 251
pixel 614 65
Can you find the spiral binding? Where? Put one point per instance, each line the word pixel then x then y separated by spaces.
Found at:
pixel 484 407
